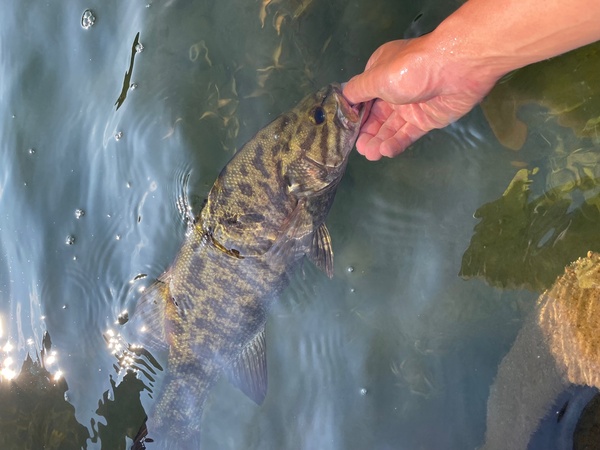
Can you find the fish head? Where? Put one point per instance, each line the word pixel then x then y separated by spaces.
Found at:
pixel 269 191
pixel 326 129
pixel 335 123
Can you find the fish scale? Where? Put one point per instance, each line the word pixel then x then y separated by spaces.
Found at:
pixel 264 213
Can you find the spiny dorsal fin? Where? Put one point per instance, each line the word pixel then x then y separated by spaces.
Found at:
pixel 321 251
pixel 249 371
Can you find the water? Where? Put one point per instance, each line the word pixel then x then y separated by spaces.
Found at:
pixel 396 352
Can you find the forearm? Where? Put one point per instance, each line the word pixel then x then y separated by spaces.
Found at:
pixel 431 81
pixel 502 35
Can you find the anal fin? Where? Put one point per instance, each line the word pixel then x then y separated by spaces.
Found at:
pixel 321 251
pixel 249 371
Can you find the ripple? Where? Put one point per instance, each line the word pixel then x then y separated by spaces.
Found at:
pixel 179 191
pixel 320 359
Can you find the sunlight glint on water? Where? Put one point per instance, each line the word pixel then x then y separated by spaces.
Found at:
pixel 397 353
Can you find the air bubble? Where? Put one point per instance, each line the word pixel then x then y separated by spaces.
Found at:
pixel 363 391
pixel 123 318
pixel 70 240
pixel 350 269
pixel 88 19
pixel 133 86
pixel 31 151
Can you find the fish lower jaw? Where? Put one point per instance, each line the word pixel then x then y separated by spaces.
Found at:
pixel 347 123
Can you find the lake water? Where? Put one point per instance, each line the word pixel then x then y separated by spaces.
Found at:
pixel 105 130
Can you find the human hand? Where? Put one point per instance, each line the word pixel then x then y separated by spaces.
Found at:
pixel 419 84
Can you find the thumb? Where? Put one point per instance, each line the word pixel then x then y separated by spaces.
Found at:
pixel 357 90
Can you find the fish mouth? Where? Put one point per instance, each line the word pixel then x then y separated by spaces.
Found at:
pixel 349 114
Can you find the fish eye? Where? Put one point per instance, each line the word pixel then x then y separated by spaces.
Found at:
pixel 319 115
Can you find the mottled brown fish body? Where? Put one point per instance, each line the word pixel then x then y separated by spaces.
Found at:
pixel 264 213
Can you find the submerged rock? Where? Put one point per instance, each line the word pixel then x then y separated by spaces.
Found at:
pixel 559 345
pixel 569 314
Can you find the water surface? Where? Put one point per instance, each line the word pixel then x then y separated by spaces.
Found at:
pixel 103 132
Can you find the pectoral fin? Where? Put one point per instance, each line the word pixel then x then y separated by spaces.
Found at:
pixel 294 227
pixel 249 371
pixel 305 178
pixel 321 252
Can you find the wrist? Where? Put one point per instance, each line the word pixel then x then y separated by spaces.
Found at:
pixel 465 54
pixel 463 65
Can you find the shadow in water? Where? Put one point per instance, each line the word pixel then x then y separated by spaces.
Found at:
pixel 524 243
pixel 571 95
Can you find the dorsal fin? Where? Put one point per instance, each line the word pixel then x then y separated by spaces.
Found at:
pixel 148 321
pixel 249 371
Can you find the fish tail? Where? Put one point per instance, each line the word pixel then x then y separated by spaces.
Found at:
pixel 178 411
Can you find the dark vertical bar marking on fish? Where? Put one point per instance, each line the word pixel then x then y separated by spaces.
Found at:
pixel 245 188
pixel 258 162
pixel 323 143
pixel 283 124
pixel 279 172
pixel 241 204
pixel 310 139
pixel 276 197
pixel 276 149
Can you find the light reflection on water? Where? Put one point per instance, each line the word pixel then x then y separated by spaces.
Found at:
pixel 397 353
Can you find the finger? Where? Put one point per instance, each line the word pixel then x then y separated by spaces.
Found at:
pixel 372 125
pixel 401 140
pixel 368 146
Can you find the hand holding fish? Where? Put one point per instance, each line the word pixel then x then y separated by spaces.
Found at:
pixel 431 81
pixel 412 96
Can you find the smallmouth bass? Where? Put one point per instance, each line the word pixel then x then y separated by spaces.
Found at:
pixel 264 213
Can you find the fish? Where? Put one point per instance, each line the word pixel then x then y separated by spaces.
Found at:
pixel 264 214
